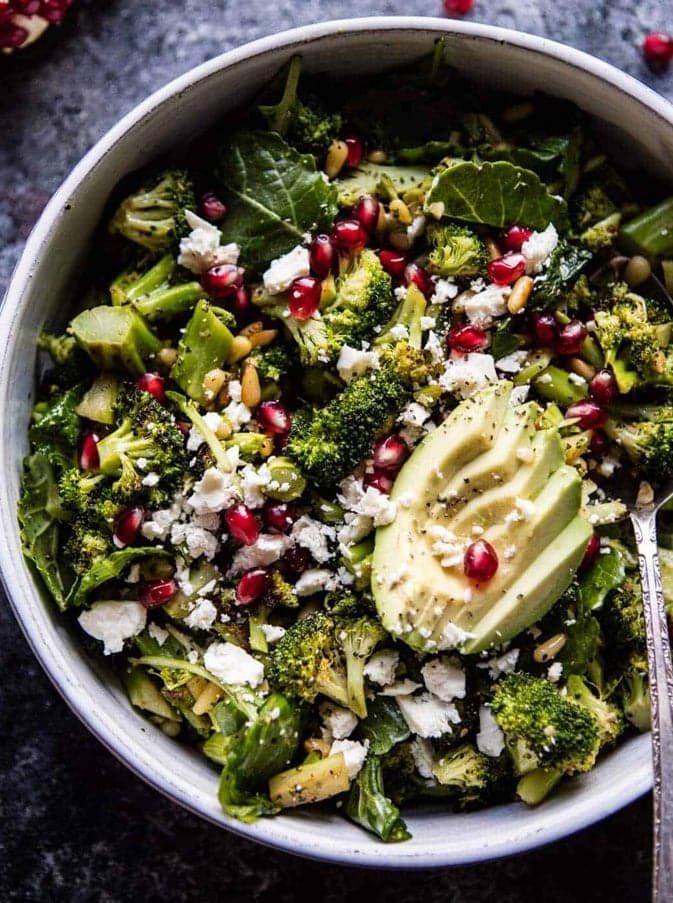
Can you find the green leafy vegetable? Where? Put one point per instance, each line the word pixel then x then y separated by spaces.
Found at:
pixel 368 805
pixel 111 568
pixel 605 574
pixel 565 265
pixel 384 725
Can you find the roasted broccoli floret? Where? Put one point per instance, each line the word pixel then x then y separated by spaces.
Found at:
pixel 455 251
pixel 634 697
pixel 272 362
pixel 464 769
pixel 87 544
pixel 608 717
pixel 62 349
pixel 358 640
pixel 623 621
pixel 154 216
pixel 543 728
pixel 602 235
pixel 647 443
pixel 591 204
pixel 280 593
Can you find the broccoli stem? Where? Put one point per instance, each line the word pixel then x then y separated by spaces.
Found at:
pixel 282 115
pixel 163 304
pixel 650 233
pixel 154 278
pixel 554 384
pixel 537 785
pixel 188 408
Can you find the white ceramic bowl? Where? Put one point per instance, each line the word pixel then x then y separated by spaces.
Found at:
pixel 631 116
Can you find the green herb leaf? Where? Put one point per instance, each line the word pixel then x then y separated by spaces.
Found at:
pixel 496 194
pixel 274 195
pixel 111 568
pixel 565 265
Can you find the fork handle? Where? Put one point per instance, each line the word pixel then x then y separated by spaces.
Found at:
pixel 661 695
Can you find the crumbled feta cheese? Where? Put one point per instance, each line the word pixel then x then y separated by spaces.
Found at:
pixel 555 672
pixel 428 716
pixel 401 688
pixel 447 547
pixel 428 322
pixel 339 722
pixel 452 637
pixel 272 633
pixel 608 465
pixel 576 378
pixel 193 656
pixel 486 305
pixel 519 395
pixel 445 290
pixel 544 379
pixel 435 348
pixel 538 248
pixel 253 481
pixel 381 667
pixel 214 492
pixel 315 536
pixel 284 270
pixel 502 664
pixel 354 754
pixel 466 375
pixel 161 522
pixel 445 679
pixel 399 332
pixel 511 363
pixel 268 548
pixel 490 739
pixel 352 363
pixel 112 622
pixel 413 414
pixel 150 479
pixel 422 754
pixel 195 440
pixel 526 507
pixel 316 580
pixel 202 616
pixel 238 414
pixel 230 664
pixel 158 633
pixel 201 249
pixel 199 542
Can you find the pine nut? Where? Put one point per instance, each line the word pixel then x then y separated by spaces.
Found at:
pixel 521 292
pixel 213 382
pixel 637 271
pixel 171 728
pixel 582 368
pixel 266 448
pixel 249 330
pixel 337 154
pixel 167 356
pixel 251 390
pixel 401 212
pixel 383 222
pixel 224 430
pixel 377 156
pixel 550 648
pixel 240 348
pixel 400 240
pixel 206 699
pixel 263 337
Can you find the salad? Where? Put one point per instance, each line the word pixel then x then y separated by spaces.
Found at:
pixel 325 460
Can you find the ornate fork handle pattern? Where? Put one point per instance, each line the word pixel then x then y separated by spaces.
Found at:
pixel 661 694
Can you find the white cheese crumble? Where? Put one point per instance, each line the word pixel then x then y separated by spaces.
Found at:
pixel 150 479
pixel 401 688
pixel 338 721
pixel 197 540
pixel 381 667
pixel 466 375
pixel 399 332
pixel 502 664
pixel 518 396
pixel 422 754
pixel 447 547
pixel 316 580
pixel 202 616
pixel 315 536
pixel 539 248
pixel 445 290
pixel 272 633
pixel 445 679
pixel 555 672
pixel 490 739
pixel 428 322
pixel 201 249
pixel 214 492
pixel 486 305
pixel 158 633
pixel 113 622
pixel 284 270
pixel 268 548
pixel 354 754
pixel 230 664
pixel 452 637
pixel 428 716
pixel 352 363
pixel 511 363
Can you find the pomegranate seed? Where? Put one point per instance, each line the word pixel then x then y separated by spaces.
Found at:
pixel 27 7
pixel 592 550
pixel 349 235
pixel 303 299
pixel 212 208
pixel 157 592
pixel 222 280
pixel 507 269
pixel 513 238
pixel 274 417
pixel 298 559
pixel 366 212
pixel 599 445
pixel 571 337
pixel 321 256
pixel 12 35
pixel 420 278
pixel 545 328
pixel 467 338
pixel 242 524
pixel 127 525
pixel 393 263
pixel 88 454
pixel 390 453
pixel 278 517
pixel 184 426
pixel 355 151
pixel 154 384
pixel 658 51
pixel 241 305
pixel 54 10
pixel 588 414
pixel 480 561
pixel 379 479
pixel 603 387
pixel 252 585
pixel 457 7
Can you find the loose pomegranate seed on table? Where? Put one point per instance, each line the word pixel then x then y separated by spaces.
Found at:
pixel 222 281
pixel 242 524
pixel 390 453
pixel 480 561
pixel 513 238
pixel 127 525
pixel 154 384
pixel 321 256
pixel 252 585
pixel 355 151
pixel 88 454
pixel 349 235
pixel 366 211
pixel 157 592
pixel 212 208
pixel 393 263
pixel 415 274
pixel 303 298
pixel 274 417
pixel 467 338
pixel 457 7
pixel 658 51
pixel 588 414
pixel 506 269
pixel 570 338
pixel 603 387
pixel 545 328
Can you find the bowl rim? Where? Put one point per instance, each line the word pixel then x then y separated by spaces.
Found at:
pixel 359 854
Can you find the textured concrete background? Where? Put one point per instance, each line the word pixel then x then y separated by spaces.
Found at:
pixel 75 825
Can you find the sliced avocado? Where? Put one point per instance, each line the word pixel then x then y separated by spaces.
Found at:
pixel 517 494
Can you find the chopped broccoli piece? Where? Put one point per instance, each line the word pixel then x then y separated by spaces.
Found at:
pixel 608 716
pixel 62 349
pixel 465 770
pixel 358 640
pixel 154 216
pixel 154 292
pixel 634 697
pixel 455 251
pixel 87 544
pixel 115 338
pixel 650 233
pixel 272 362
pixel 648 444
pixel 602 236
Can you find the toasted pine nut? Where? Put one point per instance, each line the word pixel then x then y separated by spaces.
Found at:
pixel 224 430
pixel 383 222
pixel 266 448
pixel 493 250
pixel 518 112
pixel 251 390
pixel 167 356
pixel 240 348
pixel 213 382
pixel 263 337
pixel 401 212
pixel 550 648
pixel 400 240
pixel 645 495
pixel 377 156
pixel 582 368
pixel 521 292
pixel 206 699
pixel 660 361
pixel 171 728
pixel 437 209
pixel 249 330
pixel 337 155
pixel 637 271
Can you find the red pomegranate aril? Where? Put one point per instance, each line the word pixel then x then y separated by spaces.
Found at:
pixel 480 561
pixel 212 208
pixel 242 524
pixel 303 299
pixel 390 453
pixel 457 7
pixel 379 480
pixel 349 235
pixel 321 256
pixel 127 525
pixel 467 339
pixel 571 337
pixel 545 328
pixel 157 592
pixel 393 263
pixel 279 517
pixel 355 150
pixel 154 384
pixel 588 414
pixel 513 238
pixel 415 274
pixel 222 281
pixel 297 559
pixel 252 585
pixel 599 444
pixel 241 305
pixel 12 36
pixel 366 211
pixel 603 387
pixel 54 10
pixel 592 551
pixel 506 269
pixel 274 417
pixel 88 453
pixel 658 51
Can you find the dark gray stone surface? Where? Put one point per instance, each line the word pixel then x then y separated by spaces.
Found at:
pixel 75 825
